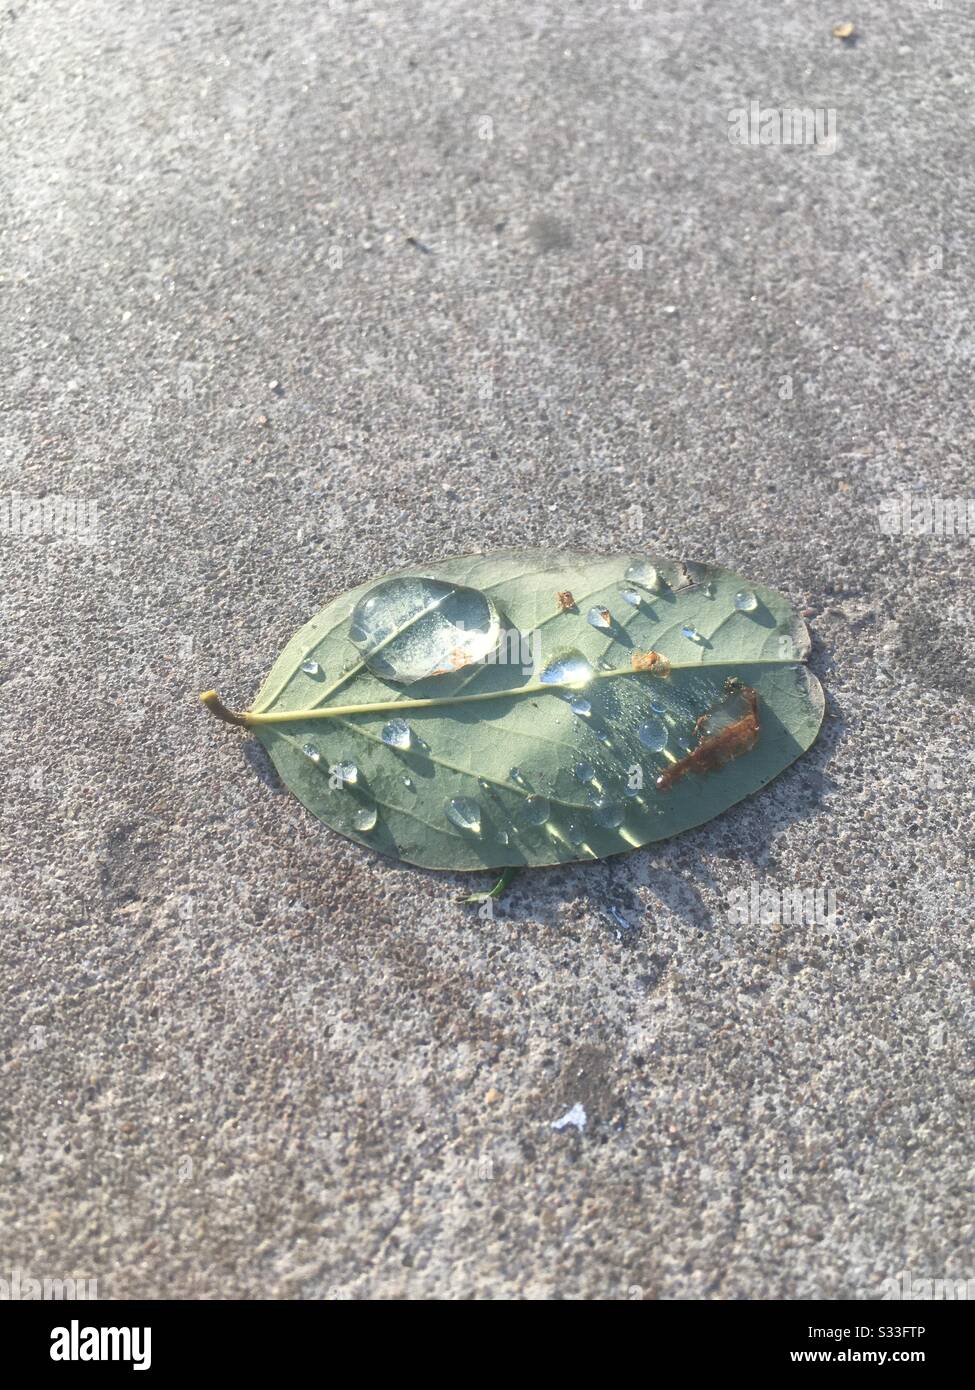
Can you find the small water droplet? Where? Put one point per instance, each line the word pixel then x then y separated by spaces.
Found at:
pixel 515 774
pixel 408 629
pixel 605 665
pixel 346 772
pixel 600 617
pixel 365 818
pixel 484 784
pixel 580 707
pixel 503 836
pixel 708 590
pixel 657 706
pixel 576 834
pixel 653 735
pixel 631 596
pixel 585 772
pixel 608 813
pixel 310 751
pixel 464 813
pixel 644 574
pixel 604 738
pixel 745 601
pixel 397 733
pixel 691 633
pixel 571 668
pixel 310 668
pixel 408 783
pixel 536 810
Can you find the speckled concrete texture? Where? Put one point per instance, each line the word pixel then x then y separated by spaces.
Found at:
pixel 294 294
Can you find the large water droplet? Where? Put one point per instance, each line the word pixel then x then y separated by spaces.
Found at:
pixel 571 668
pixel 536 810
pixel 631 596
pixel 653 735
pixel 745 601
pixel 310 668
pixel 408 629
pixel 311 752
pixel 585 772
pixel 644 574
pixel 397 733
pixel 600 617
pixel 608 813
pixel 365 818
pixel 580 707
pixel 464 813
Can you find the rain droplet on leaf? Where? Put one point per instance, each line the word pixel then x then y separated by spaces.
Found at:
pixel 464 813
pixel 644 574
pixel 608 813
pixel 571 668
pixel 397 733
pixel 408 629
pixel 653 735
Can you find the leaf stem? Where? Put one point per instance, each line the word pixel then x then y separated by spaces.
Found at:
pixel 249 718
pixel 216 706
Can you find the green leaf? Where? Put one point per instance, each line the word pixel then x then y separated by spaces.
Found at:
pixel 322 707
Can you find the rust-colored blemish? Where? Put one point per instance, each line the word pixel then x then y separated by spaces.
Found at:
pixel 714 750
pixel 458 659
pixel 650 661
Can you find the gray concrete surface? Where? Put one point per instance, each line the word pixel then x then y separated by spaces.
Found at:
pixel 243 1057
